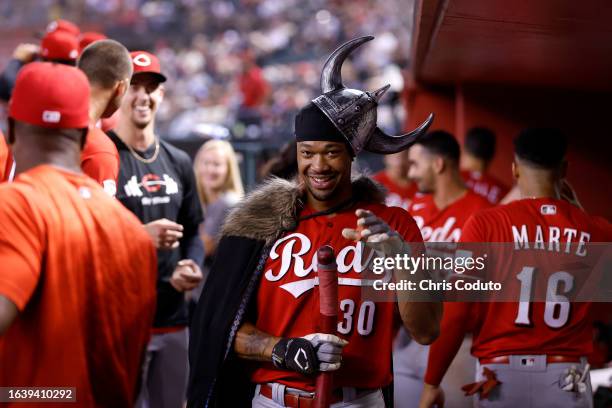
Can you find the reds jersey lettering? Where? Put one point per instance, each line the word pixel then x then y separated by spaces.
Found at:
pixel 288 297
pixel 444 225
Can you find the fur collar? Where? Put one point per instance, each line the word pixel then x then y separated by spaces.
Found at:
pixel 272 208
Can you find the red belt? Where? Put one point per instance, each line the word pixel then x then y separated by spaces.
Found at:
pixel 295 400
pixel 549 360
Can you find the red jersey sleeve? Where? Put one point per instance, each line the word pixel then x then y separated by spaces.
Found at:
pixel 101 167
pixel 21 247
pixel 454 325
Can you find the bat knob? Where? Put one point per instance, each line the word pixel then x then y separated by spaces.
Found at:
pixel 325 255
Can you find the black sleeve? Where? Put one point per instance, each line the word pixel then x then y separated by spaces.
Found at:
pixel 190 216
pixel 8 78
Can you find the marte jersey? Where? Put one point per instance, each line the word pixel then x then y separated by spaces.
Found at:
pixel 485 185
pixel 288 298
pixel 397 196
pixel 164 188
pixel 558 234
pixel 445 225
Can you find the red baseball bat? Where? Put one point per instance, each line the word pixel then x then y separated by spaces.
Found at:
pixel 328 308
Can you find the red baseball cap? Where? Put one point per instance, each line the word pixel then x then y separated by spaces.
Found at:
pixel 51 95
pixel 146 63
pixel 63 25
pixel 59 46
pixel 88 38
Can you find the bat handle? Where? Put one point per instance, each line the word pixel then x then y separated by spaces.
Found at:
pixel 328 318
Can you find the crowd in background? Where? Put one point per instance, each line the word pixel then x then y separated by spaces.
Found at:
pixel 241 68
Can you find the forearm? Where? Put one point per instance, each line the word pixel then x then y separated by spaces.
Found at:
pixel 8 313
pixel 254 344
pixel 192 248
pixel 421 313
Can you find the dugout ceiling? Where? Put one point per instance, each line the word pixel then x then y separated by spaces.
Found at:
pixel 563 44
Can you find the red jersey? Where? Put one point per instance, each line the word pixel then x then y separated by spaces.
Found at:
pixel 397 196
pixel 444 225
pixel 532 328
pixel 288 298
pixel 82 272
pixel 485 185
pixel 100 160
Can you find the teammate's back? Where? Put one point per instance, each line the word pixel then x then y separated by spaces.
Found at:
pixel 81 270
pixel 545 237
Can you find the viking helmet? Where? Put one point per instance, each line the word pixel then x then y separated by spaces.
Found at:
pixel 353 112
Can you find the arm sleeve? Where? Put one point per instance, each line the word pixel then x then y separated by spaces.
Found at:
pixel 455 320
pixel 458 319
pixel 8 77
pixel 190 216
pixel 21 248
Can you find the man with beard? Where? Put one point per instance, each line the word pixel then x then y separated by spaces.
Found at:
pixel 156 183
pixel 108 67
pixel 440 213
pixel 255 340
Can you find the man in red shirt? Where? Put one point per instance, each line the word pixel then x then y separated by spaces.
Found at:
pixel 446 202
pixel 394 177
pixel 478 151
pixel 440 213
pixel 108 67
pixel 531 354
pixel 77 283
pixel 269 250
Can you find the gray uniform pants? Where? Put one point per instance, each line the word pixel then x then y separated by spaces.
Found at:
pixel 371 400
pixel 528 382
pixel 165 371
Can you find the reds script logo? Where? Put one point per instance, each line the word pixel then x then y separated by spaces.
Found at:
pixel 445 233
pixel 297 245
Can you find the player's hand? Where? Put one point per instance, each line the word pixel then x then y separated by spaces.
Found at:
pixel 186 276
pixel 431 396
pixel 164 233
pixel 376 233
pixel 26 52
pixel 309 354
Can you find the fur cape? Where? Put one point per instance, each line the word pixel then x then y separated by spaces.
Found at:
pixel 274 207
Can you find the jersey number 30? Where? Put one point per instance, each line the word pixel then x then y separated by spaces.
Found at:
pixel 365 318
pixel 557 309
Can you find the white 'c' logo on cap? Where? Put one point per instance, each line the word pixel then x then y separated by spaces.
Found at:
pixel 142 60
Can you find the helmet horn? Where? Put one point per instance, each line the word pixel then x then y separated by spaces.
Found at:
pixel 331 77
pixel 382 143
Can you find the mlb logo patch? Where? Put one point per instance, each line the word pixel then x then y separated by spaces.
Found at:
pixel 548 209
pixel 51 116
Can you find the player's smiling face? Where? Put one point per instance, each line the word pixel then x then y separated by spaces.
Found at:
pixel 420 168
pixel 142 99
pixel 325 169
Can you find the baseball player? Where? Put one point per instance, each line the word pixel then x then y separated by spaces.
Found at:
pixel 446 203
pixel 156 182
pixel 77 283
pixel 394 177
pixel 108 67
pixel 478 151
pixel 255 340
pixel 440 211
pixel 529 354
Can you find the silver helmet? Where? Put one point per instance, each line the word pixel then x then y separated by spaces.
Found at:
pixel 353 112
